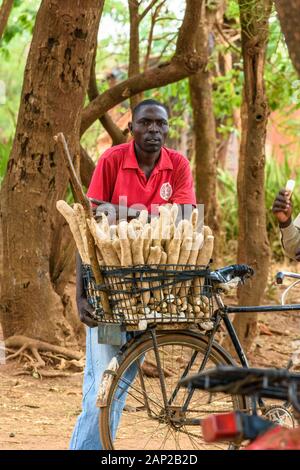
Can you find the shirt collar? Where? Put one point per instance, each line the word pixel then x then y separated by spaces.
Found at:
pixel 164 162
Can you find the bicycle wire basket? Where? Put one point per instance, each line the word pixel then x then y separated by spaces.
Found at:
pixel 140 295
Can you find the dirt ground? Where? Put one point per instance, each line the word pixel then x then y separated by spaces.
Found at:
pixel 40 413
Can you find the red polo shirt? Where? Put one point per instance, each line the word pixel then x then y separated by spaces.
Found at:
pixel 118 175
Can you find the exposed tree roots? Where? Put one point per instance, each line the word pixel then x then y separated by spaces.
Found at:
pixel 32 351
pixel 38 354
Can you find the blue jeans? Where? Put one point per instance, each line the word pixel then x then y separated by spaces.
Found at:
pixel 86 432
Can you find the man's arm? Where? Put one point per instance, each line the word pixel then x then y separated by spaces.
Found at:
pixel 84 308
pixel 290 240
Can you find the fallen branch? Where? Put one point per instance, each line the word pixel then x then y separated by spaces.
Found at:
pixel 44 373
pixel 149 369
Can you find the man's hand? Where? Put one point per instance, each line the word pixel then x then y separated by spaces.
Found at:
pixel 85 312
pixel 282 208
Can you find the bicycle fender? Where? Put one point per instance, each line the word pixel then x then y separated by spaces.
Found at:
pixel 106 381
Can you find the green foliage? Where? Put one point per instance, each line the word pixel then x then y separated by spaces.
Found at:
pixel 20 23
pixel 227 200
pixel 282 82
pixel 114 31
pixel 232 10
pixel 13 51
pixel 176 96
pixel 227 96
pixel 4 154
pixel 117 10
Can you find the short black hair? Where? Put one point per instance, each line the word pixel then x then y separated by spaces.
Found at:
pixel 149 102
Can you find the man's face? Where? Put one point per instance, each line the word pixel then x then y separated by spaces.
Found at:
pixel 150 128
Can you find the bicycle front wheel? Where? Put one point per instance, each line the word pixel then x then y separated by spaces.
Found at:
pixel 136 416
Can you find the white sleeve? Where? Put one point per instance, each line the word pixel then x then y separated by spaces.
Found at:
pixel 290 238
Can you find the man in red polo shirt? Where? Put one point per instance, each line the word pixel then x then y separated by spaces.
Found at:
pixel 140 174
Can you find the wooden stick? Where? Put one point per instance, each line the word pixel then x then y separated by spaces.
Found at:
pixel 60 139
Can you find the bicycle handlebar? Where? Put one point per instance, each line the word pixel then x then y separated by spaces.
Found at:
pixel 282 274
pixel 225 275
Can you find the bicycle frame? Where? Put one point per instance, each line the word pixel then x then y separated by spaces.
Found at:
pixel 251 309
pixel 222 314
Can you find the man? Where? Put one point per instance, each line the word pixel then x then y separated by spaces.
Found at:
pixel 290 230
pixel 142 173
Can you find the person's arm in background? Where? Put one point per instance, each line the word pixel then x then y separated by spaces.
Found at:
pixel 290 233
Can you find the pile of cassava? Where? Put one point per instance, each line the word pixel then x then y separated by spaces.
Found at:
pixel 163 241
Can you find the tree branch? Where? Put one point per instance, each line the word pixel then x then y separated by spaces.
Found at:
pixel 166 46
pixel 134 46
pixel 226 39
pixel 186 41
pixel 151 32
pixel 147 9
pixel 5 10
pixel 185 62
pixel 111 128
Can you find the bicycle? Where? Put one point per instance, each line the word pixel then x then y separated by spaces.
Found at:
pixel 159 413
pixel 263 434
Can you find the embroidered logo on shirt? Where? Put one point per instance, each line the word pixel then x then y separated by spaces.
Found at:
pixel 166 191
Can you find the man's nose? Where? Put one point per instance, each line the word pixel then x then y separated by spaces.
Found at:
pixel 153 127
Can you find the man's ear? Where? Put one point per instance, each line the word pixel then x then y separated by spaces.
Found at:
pixel 130 127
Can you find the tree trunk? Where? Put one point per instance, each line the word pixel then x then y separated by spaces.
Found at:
pixel 253 244
pixel 5 10
pixel 55 83
pixel 205 128
pixel 134 47
pixel 289 17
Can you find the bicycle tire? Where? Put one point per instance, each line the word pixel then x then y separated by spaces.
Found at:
pixel 130 434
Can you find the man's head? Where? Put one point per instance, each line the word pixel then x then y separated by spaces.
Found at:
pixel 149 125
